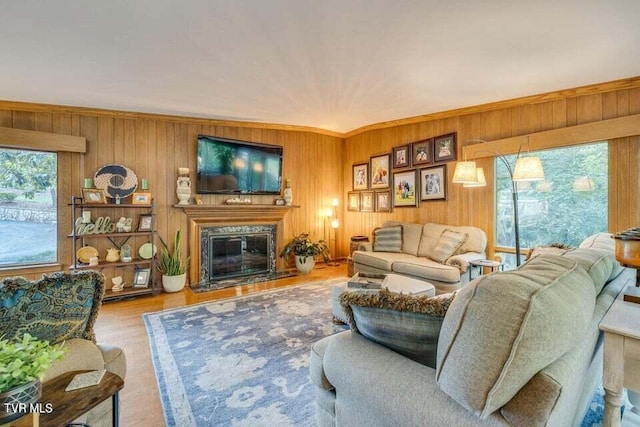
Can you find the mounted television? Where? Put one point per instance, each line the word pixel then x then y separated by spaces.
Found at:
pixel 228 166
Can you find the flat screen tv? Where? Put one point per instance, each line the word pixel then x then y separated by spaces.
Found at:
pixel 228 166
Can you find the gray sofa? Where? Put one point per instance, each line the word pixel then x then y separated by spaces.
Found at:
pixel 516 348
pixel 418 242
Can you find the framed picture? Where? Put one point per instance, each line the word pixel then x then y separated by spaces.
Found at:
pixel 94 195
pixel 361 176
pixel 404 189
pixel 422 152
pixel 353 201
pixel 379 171
pixel 141 199
pixel 141 278
pixel 433 183
pixel 401 157
pixel 366 201
pixel 383 201
pixel 444 148
pixel 145 222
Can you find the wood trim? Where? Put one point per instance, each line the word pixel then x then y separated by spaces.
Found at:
pixel 43 141
pixel 573 135
pixel 119 114
pixel 628 83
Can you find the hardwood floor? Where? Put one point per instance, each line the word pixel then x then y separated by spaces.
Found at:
pixel 120 323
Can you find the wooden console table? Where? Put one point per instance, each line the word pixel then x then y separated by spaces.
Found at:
pixel 621 326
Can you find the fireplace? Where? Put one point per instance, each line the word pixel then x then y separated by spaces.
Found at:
pixel 236 251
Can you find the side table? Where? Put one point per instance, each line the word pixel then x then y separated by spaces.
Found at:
pixel 621 327
pixel 482 263
pixel 68 405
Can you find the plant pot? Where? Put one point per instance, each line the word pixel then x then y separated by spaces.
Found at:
pixel 305 266
pixel 174 283
pixel 27 394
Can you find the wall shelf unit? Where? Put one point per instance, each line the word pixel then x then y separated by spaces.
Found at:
pixel 78 207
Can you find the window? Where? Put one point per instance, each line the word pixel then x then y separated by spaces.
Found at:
pixel 28 201
pixel 569 205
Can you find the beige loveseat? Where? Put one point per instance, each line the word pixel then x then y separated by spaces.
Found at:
pixel 516 348
pixel 418 242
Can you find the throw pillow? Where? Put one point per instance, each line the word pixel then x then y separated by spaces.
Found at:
pixel 448 244
pixel 55 308
pixel 552 249
pixel 387 239
pixel 408 324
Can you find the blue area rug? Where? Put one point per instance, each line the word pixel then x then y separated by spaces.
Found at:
pixel 241 361
pixel 245 361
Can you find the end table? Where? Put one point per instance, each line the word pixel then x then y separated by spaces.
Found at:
pixel 485 263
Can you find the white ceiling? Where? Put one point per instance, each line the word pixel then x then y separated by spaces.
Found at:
pixel 331 64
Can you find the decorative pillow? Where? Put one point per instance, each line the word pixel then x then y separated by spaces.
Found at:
pixel 55 308
pixel 552 249
pixel 448 244
pixel 407 324
pixel 505 327
pixel 387 239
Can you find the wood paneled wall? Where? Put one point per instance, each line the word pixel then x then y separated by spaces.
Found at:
pixel 474 206
pixel 155 148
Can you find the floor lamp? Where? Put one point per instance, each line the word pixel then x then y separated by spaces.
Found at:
pixel 333 224
pixel 526 169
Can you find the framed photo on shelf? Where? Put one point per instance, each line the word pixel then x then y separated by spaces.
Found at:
pixel 383 201
pixel 361 176
pixel 444 148
pixel 94 195
pixel 404 189
pixel 401 157
pixel 379 171
pixel 433 183
pixel 141 199
pixel 145 222
pixel 353 201
pixel 141 278
pixel 366 201
pixel 422 152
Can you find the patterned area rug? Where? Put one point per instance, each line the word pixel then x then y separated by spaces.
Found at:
pixel 242 361
pixel 245 361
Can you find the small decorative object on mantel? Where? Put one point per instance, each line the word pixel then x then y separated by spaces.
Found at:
pixel 288 193
pixel 279 202
pixel 183 189
pixel 238 201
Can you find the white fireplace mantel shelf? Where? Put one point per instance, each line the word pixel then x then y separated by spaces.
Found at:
pixel 236 213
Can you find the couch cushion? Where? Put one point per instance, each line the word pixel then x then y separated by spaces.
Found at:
pixel 407 324
pixel 55 308
pixel 448 244
pixel 598 264
pixel 545 308
pixel 605 242
pixel 380 260
pixel 427 269
pixel 387 239
pixel 411 234
pixel 431 232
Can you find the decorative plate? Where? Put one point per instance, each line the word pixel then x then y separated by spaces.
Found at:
pixel 116 180
pixel 86 252
pixel 147 251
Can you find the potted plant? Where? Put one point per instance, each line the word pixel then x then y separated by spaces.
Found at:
pixel 23 363
pixel 172 266
pixel 305 252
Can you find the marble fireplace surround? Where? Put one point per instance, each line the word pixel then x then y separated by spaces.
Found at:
pixel 205 216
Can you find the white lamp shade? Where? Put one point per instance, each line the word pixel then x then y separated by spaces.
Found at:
pixel 544 186
pixel 335 223
pixel 482 181
pixel 328 212
pixel 465 173
pixel 335 202
pixel 583 183
pixel 528 169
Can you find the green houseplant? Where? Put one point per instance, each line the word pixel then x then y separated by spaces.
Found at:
pixel 172 266
pixel 305 251
pixel 23 363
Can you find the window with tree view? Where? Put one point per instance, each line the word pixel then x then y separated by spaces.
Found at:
pixel 28 215
pixel 569 205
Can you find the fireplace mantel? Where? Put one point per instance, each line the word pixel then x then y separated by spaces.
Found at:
pixel 215 215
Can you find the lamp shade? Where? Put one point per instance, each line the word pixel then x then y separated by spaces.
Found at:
pixel 583 183
pixel 335 202
pixel 335 223
pixel 544 186
pixel 465 173
pixel 328 212
pixel 482 182
pixel 528 169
